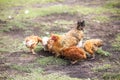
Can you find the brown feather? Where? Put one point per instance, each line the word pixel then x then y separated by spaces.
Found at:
pixel 31 42
pixel 92 45
pixel 74 53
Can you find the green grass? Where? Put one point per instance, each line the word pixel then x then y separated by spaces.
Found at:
pixel 8 44
pixel 112 4
pixel 37 70
pixel 3 50
pixel 36 73
pixel 51 61
pixel 11 3
pixel 37 76
pixel 36 12
pixel 33 12
pixel 38 48
pixel 116 43
pixel 20 68
pixel 11 45
pixel 111 76
pixel 57 9
pixel 23 21
pixel 19 24
pixel 87 10
pixel 101 68
pixel 102 52
pixel 26 68
pixel 101 18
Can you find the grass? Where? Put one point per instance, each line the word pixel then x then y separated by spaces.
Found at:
pixel 3 50
pixel 102 52
pixel 38 48
pixel 37 70
pixel 111 76
pixel 51 61
pixel 35 12
pixel 10 44
pixel 101 19
pixel 11 3
pixel 26 68
pixel 45 26
pixel 87 10
pixel 58 9
pixel 101 68
pixel 23 20
pixel 37 76
pixel 23 24
pixel 112 4
pixel 20 68
pixel 116 43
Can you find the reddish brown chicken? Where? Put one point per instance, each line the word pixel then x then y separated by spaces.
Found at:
pixel 74 53
pixel 31 42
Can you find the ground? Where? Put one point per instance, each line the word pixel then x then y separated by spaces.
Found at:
pixel 19 19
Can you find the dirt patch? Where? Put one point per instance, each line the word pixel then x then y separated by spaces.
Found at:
pixel 62 16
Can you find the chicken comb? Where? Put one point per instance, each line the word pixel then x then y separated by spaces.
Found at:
pixel 54 37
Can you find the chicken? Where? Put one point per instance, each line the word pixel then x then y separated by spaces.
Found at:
pixel 74 36
pixel 74 53
pixel 92 45
pixel 71 38
pixel 31 42
pixel 54 44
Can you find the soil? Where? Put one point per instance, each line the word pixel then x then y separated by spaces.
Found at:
pixel 105 31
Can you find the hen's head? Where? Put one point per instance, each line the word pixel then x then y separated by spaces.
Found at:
pixel 55 37
pixel 99 42
pixel 80 25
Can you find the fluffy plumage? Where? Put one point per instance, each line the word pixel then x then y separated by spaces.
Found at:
pixel 71 38
pixel 74 53
pixel 45 42
pixel 54 44
pixel 80 43
pixel 31 42
pixel 92 45
pixel 74 36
